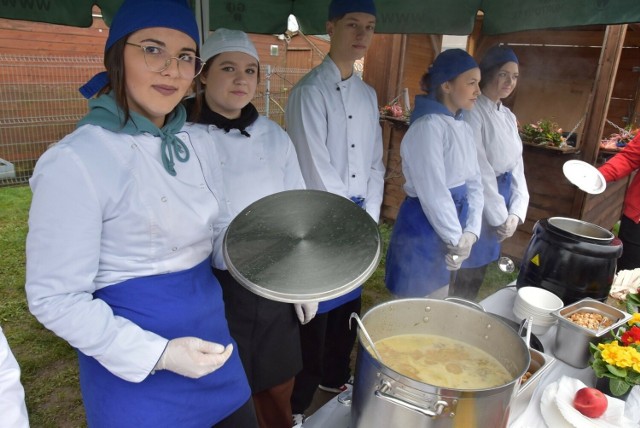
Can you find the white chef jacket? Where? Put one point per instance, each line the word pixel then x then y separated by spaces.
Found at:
pixel 438 154
pixel 104 210
pixel 499 150
pixel 13 411
pixel 334 125
pixel 251 168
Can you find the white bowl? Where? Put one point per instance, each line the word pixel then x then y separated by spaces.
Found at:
pixel 539 330
pixel 538 300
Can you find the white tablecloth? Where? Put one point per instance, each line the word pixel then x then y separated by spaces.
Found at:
pixel 524 413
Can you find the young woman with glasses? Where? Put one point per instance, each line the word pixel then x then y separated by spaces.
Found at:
pixel 121 235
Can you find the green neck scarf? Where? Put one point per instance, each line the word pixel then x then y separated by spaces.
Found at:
pixel 105 113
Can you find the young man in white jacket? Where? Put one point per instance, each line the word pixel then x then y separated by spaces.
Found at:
pixel 332 118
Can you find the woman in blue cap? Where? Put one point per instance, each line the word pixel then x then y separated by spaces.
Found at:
pixel 257 159
pixel 120 238
pixel 499 149
pixel 440 219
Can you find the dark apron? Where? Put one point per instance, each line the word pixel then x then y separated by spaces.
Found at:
pixel 267 333
pixel 487 248
pixel 415 265
pixel 187 303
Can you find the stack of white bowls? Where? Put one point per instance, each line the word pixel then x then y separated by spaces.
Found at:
pixel 537 303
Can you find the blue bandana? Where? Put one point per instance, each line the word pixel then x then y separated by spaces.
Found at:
pixel 448 65
pixel 497 55
pixel 339 8
pixel 136 15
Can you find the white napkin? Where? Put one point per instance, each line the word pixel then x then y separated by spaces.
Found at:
pixel 557 408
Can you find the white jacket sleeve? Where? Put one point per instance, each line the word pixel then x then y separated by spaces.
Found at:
pixel 12 406
pixel 519 192
pixel 306 120
pixel 495 209
pixel 375 185
pixel 63 248
pixel 423 160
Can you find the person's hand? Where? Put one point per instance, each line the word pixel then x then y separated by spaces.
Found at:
pixel 508 228
pixel 193 357
pixel 459 253
pixel 463 249
pixel 453 261
pixel 306 311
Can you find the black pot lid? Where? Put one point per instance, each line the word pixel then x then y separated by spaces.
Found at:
pixel 302 245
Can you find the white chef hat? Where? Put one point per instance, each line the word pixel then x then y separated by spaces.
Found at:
pixel 225 40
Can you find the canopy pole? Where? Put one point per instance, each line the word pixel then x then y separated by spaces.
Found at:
pixel 201 10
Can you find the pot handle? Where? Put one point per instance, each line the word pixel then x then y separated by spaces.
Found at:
pixel 465 302
pixel 382 393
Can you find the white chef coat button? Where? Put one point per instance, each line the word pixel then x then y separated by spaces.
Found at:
pixel 353 176
pixel 163 199
pixel 353 145
pixel 350 117
pixel 338 88
pixel 174 249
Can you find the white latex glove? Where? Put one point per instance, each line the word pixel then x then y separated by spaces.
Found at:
pixel 508 228
pixel 193 357
pixel 463 249
pixel 453 261
pixel 306 311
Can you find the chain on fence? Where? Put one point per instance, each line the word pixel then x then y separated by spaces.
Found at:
pixel 40 104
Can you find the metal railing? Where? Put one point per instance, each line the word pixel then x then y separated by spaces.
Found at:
pixel 40 104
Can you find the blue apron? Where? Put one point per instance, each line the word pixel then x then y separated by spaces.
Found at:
pixel 327 305
pixel 415 264
pixel 187 303
pixel 487 248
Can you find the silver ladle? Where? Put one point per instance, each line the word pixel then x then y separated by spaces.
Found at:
pixel 505 264
pixel 365 334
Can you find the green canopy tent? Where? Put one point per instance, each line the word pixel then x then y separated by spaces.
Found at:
pixel 456 17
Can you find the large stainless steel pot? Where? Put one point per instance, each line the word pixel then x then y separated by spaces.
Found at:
pixel 385 398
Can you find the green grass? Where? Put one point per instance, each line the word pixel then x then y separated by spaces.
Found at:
pixel 49 364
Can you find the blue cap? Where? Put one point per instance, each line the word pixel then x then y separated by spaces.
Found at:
pixel 136 15
pixel 339 8
pixel 448 65
pixel 497 55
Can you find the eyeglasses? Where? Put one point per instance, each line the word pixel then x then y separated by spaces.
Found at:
pixel 158 60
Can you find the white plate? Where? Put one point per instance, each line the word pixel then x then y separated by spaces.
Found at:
pixel 550 412
pixel 557 408
pixel 585 176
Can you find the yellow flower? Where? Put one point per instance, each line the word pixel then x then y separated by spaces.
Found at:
pixel 620 356
pixel 635 319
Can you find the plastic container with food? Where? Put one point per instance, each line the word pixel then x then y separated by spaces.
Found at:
pixel 539 364
pixel 580 323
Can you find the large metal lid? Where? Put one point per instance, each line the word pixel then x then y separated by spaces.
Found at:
pixel 302 245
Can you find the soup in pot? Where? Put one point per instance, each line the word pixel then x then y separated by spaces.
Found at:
pixel 441 361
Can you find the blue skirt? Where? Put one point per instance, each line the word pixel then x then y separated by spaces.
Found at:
pixel 187 303
pixel 487 248
pixel 415 264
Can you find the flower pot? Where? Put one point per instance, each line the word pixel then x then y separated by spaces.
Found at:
pixel 602 385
